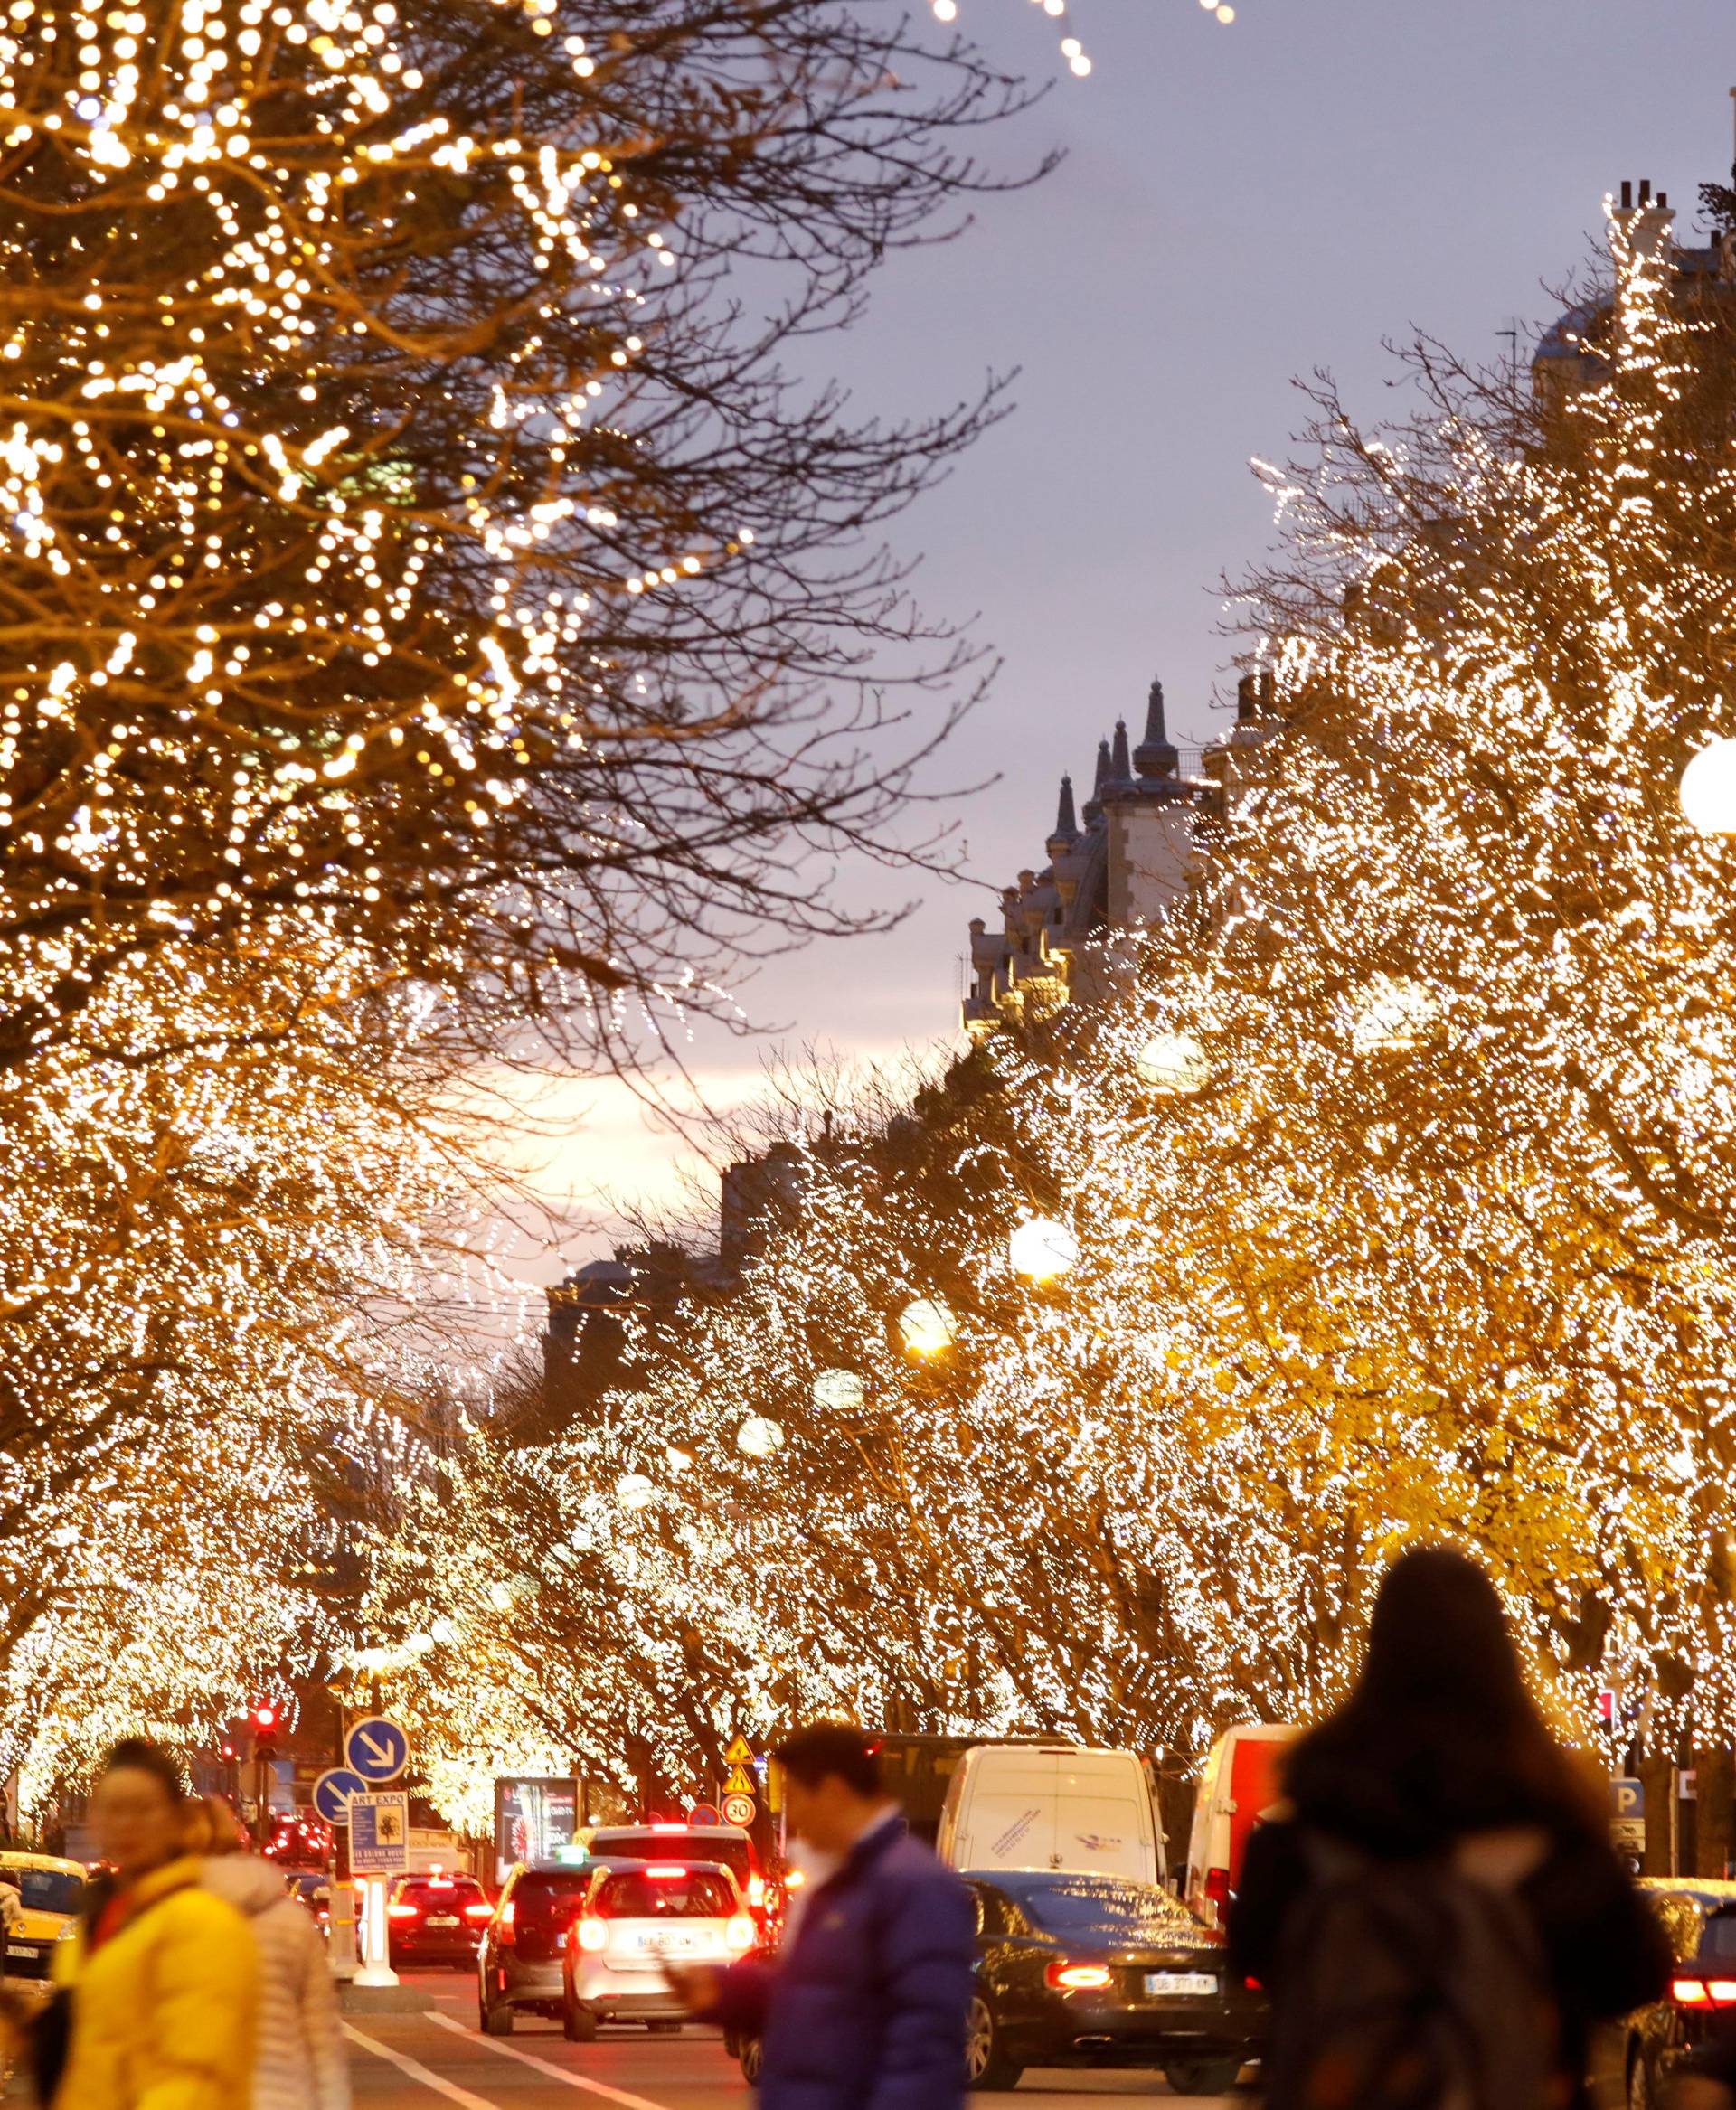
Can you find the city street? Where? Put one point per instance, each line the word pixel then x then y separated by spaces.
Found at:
pixel 401 2061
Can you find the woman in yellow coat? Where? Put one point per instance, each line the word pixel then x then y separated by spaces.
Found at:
pixel 163 1982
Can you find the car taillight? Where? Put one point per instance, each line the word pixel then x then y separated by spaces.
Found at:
pixel 481 1909
pixel 504 1923
pixel 757 1892
pixel 1703 1992
pixel 666 1872
pixel 1217 1894
pixel 400 1912
pixel 739 1933
pixel 1078 1977
pixel 592 1936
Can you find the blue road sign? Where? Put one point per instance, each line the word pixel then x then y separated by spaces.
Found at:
pixel 331 1793
pixel 377 1748
pixel 1627 1799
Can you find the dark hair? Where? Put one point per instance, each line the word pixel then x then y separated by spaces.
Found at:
pixel 139 1755
pixel 1440 1736
pixel 837 1747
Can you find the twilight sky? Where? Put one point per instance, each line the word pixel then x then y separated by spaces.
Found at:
pixel 1240 204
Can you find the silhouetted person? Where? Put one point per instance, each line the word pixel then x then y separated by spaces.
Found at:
pixel 1440 1917
pixel 865 2008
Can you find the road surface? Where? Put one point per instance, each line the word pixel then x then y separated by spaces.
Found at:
pixel 430 2061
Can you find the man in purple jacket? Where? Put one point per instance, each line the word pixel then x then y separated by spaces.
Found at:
pixel 865 2008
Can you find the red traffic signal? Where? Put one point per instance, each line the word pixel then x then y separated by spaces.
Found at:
pixel 265 1716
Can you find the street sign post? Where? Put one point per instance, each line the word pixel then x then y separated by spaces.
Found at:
pixel 739 1810
pixel 376 1748
pixel 738 1802
pixel 331 1793
pixel 1627 1817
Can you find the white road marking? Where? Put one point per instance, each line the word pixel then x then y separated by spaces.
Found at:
pixel 547 2066
pixel 419 2072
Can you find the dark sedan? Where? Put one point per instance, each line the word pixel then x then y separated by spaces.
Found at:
pixel 437 1919
pixel 1079 1970
pixel 1632 2061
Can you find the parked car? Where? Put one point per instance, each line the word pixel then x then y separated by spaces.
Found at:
pixel 1632 2060
pixel 1081 1970
pixel 693 1843
pixel 1239 1787
pixel 436 1920
pixel 631 1918
pixel 519 1965
pixel 1052 1806
pixel 51 1892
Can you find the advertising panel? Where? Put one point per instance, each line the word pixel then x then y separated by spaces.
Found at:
pixel 533 1819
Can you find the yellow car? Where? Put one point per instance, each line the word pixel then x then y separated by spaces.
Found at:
pixel 50 1895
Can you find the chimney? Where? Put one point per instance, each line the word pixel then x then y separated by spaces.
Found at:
pixel 1246 709
pixel 1628 196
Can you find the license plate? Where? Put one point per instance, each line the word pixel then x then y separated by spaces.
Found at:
pixel 21 1949
pixel 442 1922
pixel 1196 1985
pixel 677 1944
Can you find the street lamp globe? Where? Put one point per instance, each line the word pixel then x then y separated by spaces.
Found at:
pixel 1708 792
pixel 839 1392
pixel 759 1438
pixel 632 1491
pixel 1041 1248
pixel 1174 1064
pixel 927 1326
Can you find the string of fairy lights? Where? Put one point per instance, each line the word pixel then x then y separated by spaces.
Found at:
pixel 1387 1198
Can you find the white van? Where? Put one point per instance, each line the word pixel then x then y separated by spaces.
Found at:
pixel 1051 1806
pixel 1238 1787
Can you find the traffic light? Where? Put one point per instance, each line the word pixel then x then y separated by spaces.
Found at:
pixel 264 1720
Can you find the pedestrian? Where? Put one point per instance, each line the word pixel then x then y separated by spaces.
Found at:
pixel 1439 1917
pixel 158 1991
pixel 865 2008
pixel 299 2062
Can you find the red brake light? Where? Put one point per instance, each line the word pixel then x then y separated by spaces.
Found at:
pixel 481 1909
pixel 739 1934
pixel 666 1872
pixel 756 1891
pixel 504 1920
pixel 402 1911
pixel 592 1936
pixel 1723 1991
pixel 1689 1992
pixel 1078 1977
pixel 441 1883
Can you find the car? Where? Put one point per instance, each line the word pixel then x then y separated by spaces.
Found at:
pixel 688 1843
pixel 1100 1971
pixel 631 1918
pixel 1632 2061
pixel 436 1920
pixel 312 1888
pixel 51 1895
pixel 523 1944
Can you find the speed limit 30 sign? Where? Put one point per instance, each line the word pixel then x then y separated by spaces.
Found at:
pixel 738 1809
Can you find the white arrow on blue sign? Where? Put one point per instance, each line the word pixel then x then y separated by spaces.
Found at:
pixel 377 1748
pixel 331 1793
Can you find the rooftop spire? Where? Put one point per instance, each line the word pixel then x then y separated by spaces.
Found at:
pixel 1094 804
pixel 1154 756
pixel 1120 763
pixel 1066 821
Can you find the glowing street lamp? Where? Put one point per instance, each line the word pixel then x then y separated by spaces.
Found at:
pixel 1041 1248
pixel 1174 1064
pixel 1708 791
pixel 759 1438
pixel 927 1326
pixel 839 1392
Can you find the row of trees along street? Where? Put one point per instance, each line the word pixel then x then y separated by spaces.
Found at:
pixel 1399 1173
pixel 440 631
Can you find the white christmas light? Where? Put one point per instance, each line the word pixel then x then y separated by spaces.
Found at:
pixel 759 1438
pixel 632 1491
